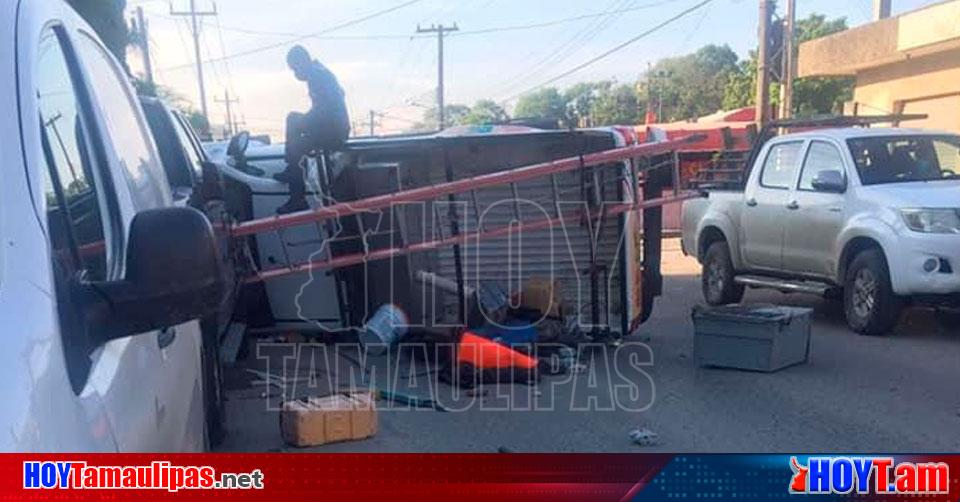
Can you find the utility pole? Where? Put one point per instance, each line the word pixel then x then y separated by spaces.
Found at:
pixel 440 30
pixel 881 9
pixel 141 38
pixel 371 122
pixel 195 30
pixel 231 122
pixel 763 60
pixel 789 61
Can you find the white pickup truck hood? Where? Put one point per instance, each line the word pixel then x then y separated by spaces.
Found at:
pixel 933 194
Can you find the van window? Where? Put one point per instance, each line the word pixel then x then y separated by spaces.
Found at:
pixel 128 134
pixel 79 223
pixel 196 161
pixel 75 220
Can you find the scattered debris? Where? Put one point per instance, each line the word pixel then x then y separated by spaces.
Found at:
pixel 476 392
pixel 277 381
pixel 338 417
pixel 408 400
pixel 504 449
pixel 644 437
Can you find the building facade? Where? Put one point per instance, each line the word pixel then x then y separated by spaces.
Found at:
pixel 904 64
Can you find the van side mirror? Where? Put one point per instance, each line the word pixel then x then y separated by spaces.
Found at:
pixel 173 275
pixel 831 181
pixel 237 147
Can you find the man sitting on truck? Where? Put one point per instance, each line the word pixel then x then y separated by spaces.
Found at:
pixel 322 130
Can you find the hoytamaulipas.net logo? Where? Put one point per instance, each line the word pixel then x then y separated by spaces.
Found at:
pixel 159 475
pixel 868 475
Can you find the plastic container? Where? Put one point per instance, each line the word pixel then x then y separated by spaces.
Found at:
pixel 751 337
pixel 386 327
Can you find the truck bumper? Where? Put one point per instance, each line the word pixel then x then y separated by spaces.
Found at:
pixel 925 264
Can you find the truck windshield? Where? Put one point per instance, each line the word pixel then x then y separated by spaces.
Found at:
pixel 902 159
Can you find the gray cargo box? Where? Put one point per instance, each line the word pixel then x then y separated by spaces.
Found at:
pixel 751 337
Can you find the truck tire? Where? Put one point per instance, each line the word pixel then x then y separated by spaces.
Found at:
pixel 213 402
pixel 869 303
pixel 717 277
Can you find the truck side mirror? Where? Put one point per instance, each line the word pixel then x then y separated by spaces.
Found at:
pixel 173 275
pixel 831 180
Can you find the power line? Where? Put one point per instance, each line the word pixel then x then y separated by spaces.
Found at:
pixel 613 50
pixel 482 31
pixel 566 49
pixel 555 22
pixel 306 36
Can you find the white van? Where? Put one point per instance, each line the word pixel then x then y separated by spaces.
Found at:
pixel 102 278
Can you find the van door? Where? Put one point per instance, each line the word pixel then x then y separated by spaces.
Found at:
pixel 765 205
pixel 815 218
pixel 85 230
pixel 141 184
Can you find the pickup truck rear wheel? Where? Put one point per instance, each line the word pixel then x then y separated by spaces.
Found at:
pixel 869 303
pixel 717 277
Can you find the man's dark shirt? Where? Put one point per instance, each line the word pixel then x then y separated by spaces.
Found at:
pixel 326 96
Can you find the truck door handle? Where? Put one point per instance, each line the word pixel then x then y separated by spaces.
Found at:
pixel 166 337
pixel 793 205
pixel 752 202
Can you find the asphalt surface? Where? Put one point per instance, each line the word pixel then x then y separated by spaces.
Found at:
pixel 899 393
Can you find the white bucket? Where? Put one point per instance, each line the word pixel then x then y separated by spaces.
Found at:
pixel 387 326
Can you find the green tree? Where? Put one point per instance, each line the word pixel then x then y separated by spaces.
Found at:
pixel 545 103
pixel 486 111
pixel 579 101
pixel 615 105
pixel 106 18
pixel 691 85
pixel 454 115
pixel 815 96
pixel 811 96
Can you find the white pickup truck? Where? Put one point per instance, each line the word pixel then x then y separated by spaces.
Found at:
pixel 872 215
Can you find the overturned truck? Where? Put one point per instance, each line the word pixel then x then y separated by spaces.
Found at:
pixel 423 221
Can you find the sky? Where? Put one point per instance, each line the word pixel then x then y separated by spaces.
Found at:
pixel 384 66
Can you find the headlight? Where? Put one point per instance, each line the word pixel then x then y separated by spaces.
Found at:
pixel 932 221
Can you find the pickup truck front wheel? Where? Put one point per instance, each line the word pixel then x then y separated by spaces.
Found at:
pixel 717 277
pixel 869 303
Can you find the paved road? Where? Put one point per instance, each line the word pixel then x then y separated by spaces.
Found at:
pixel 899 393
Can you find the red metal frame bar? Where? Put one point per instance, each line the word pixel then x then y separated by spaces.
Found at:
pixel 380 254
pixel 432 192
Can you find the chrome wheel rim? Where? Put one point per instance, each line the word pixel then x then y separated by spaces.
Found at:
pixel 715 281
pixel 864 293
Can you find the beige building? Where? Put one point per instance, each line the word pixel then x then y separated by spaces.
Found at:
pixel 904 64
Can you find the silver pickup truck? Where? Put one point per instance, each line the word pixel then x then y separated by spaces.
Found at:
pixel 869 215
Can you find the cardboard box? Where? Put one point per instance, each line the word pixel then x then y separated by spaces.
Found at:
pixel 320 420
pixel 543 295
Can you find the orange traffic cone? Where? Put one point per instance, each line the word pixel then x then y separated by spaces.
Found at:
pixel 480 360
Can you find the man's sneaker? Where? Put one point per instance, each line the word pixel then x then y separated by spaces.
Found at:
pixel 293 205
